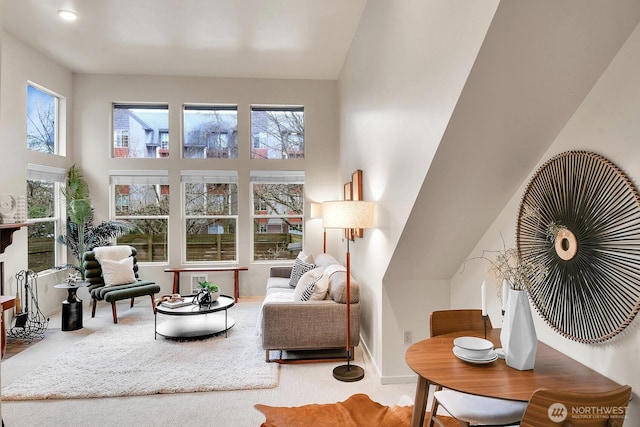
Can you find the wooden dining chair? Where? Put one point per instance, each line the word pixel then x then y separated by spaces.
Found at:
pixel 449 321
pixel 469 409
pixel 579 409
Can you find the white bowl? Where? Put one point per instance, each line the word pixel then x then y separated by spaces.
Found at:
pixel 473 343
pixel 473 347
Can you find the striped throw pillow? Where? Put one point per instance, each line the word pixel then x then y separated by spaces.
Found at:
pixel 299 268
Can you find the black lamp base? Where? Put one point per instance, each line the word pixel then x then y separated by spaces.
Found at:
pixel 348 373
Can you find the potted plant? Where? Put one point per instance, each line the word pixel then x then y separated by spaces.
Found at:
pixel 81 234
pixel 208 293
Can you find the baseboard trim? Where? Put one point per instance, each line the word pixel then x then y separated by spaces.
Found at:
pixel 398 379
pixel 368 355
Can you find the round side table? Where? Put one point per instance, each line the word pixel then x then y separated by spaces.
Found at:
pixel 72 306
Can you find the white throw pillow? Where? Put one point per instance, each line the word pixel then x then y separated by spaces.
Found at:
pixel 118 272
pixel 312 286
pixel 308 258
pixel 114 253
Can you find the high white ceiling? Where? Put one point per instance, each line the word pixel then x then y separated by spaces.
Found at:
pixel 299 39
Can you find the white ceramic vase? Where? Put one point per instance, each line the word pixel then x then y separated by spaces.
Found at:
pixel 518 335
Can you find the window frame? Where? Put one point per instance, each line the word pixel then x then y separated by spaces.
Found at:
pixel 150 137
pixel 60 114
pixel 230 131
pixel 261 136
pixel 275 177
pixel 159 178
pixel 208 177
pixel 37 172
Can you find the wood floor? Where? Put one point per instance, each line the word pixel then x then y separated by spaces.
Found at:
pixel 15 346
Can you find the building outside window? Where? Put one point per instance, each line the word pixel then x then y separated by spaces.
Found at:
pixel 45 211
pixel 44 110
pixel 140 131
pixel 277 132
pixel 142 198
pixel 211 215
pixel 277 199
pixel 210 132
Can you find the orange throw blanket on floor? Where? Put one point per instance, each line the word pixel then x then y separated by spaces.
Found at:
pixel 357 411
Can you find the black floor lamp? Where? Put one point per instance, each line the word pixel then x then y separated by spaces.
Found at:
pixel 348 214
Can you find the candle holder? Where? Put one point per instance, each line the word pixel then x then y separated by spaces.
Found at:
pixel 484 320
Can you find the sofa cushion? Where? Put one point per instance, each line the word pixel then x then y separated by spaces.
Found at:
pixel 118 272
pixel 299 268
pixel 138 289
pixel 312 286
pixel 324 260
pixel 337 275
pixel 278 284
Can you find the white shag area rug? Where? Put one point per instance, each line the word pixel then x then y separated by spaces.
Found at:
pixel 125 360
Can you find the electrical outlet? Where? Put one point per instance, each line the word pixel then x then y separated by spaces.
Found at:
pixel 407 337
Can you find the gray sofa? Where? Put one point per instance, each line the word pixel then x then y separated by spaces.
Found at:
pixel 309 325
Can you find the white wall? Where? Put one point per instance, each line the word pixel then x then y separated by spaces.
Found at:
pixel 89 124
pixel 94 96
pixel 606 123
pixel 404 73
pixel 21 64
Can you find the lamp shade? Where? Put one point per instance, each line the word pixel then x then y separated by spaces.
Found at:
pixel 316 210
pixel 348 214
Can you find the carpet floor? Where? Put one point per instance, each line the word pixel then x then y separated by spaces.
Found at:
pixel 298 384
pixel 124 359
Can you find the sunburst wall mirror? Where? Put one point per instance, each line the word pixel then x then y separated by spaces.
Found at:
pixel 579 220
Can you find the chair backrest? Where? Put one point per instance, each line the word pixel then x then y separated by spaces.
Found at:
pixel 448 321
pixel 562 408
pixel 93 270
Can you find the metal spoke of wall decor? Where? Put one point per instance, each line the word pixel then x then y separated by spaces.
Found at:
pixel 579 223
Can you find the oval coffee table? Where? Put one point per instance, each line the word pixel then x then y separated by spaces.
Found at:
pixel 193 321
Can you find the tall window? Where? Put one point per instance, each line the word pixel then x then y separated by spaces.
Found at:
pixel 142 198
pixel 277 132
pixel 43 112
pixel 278 206
pixel 140 131
pixel 210 132
pixel 211 215
pixel 44 211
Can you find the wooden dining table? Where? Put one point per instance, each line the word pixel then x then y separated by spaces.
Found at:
pixel 434 362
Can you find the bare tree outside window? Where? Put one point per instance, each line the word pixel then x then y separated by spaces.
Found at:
pixel 210 132
pixel 41 239
pixel 42 112
pixel 147 208
pixel 277 133
pixel 211 211
pixel 278 216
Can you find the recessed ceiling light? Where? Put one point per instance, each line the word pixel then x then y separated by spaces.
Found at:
pixel 67 15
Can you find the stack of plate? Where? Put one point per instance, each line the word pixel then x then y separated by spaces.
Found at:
pixel 474 350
